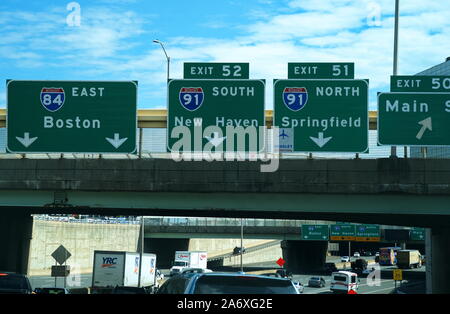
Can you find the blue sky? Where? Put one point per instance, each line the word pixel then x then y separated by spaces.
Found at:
pixel 114 39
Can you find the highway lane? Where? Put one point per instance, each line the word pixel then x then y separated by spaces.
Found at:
pixel 385 285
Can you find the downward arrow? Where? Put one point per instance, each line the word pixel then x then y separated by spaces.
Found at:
pixel 426 124
pixel 320 141
pixel 117 141
pixel 215 140
pixel 26 140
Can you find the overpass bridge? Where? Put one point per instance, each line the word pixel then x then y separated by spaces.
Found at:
pixel 164 235
pixel 405 192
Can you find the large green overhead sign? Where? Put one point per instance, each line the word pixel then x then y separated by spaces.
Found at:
pixel 417 234
pixel 322 115
pixel 215 115
pixel 367 233
pixel 342 232
pixel 306 70
pixel 71 117
pixel 212 70
pixel 315 232
pixel 414 119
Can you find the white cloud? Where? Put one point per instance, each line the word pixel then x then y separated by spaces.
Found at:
pixel 305 31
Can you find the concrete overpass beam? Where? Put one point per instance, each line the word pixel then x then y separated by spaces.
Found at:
pixel 440 258
pixel 302 256
pixel 165 249
pixel 15 237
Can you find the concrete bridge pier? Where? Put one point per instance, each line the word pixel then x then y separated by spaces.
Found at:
pixel 437 261
pixel 15 238
pixel 165 249
pixel 302 256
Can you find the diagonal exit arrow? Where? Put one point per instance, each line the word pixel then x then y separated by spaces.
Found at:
pixel 26 140
pixel 321 141
pixel 426 124
pixel 117 141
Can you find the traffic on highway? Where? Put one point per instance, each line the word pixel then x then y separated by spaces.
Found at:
pixel 360 275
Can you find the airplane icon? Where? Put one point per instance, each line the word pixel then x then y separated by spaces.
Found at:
pixel 283 135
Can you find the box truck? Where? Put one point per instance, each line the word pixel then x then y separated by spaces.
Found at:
pixel 113 268
pixel 409 259
pixel 188 259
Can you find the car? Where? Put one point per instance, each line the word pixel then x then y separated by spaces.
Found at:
pixel 238 250
pixel 330 267
pixel 51 291
pixel 345 259
pixel 227 283
pixel 12 283
pixel 196 270
pixel 423 259
pixel 159 275
pixel 297 284
pixel 129 290
pixel 283 273
pixel 356 254
pixel 316 282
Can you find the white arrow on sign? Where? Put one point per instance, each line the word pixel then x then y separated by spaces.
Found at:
pixel 117 141
pixel 215 140
pixel 321 141
pixel 426 124
pixel 26 140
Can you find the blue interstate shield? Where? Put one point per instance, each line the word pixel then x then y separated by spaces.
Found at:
pixel 191 98
pixel 52 98
pixel 295 98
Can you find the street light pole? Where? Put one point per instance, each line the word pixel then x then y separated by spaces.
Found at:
pixel 395 65
pixel 242 239
pixel 156 41
pixel 141 253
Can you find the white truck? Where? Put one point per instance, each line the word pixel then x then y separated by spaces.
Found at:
pixel 344 282
pixel 409 259
pixel 188 259
pixel 113 268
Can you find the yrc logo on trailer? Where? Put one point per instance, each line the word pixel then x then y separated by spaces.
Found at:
pixel 52 98
pixel 109 262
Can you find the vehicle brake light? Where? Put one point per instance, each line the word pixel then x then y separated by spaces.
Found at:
pixel 3 274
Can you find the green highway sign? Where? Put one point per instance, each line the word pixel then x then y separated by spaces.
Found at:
pixel 416 83
pixel 216 115
pixel 336 70
pixel 213 70
pixel 342 232
pixel 417 234
pixel 414 119
pixel 71 117
pixel 367 233
pixel 315 232
pixel 322 115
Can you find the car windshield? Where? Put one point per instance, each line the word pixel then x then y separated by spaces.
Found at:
pixel 242 285
pixel 13 282
pixel 315 278
pixel 179 264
